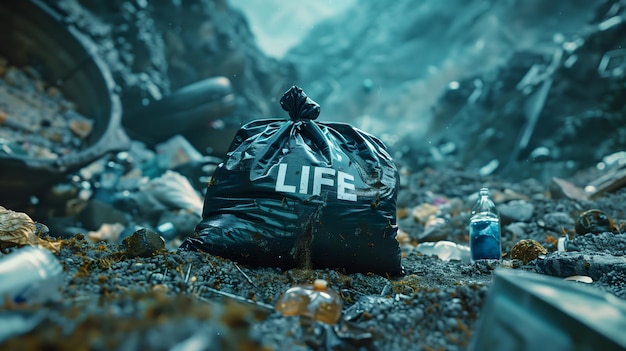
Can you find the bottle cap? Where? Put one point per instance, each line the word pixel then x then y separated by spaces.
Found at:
pixel 320 284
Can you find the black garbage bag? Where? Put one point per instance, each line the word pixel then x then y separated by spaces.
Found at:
pixel 299 193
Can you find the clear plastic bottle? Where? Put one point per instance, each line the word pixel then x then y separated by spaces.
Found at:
pixel 29 275
pixel 484 229
pixel 445 250
pixel 315 301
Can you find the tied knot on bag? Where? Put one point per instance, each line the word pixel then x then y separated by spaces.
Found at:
pixel 299 105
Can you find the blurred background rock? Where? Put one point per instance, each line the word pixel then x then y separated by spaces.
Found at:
pixel 449 84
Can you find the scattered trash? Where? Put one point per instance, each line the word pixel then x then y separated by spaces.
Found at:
pixel 176 151
pixel 108 232
pixel 95 213
pixel 560 188
pixel 167 204
pixel 166 230
pixel 177 224
pixel 612 179
pixel 614 160
pixel 580 278
pixel 108 180
pixel 92 273
pixel 73 112
pixel 613 64
pixel 200 340
pixel 562 243
pixel 29 275
pixel 527 250
pixel 174 190
pixel 546 313
pixel 595 221
pixel 404 238
pixel 435 228
pixel 484 229
pixel 314 301
pixel 540 84
pixel 446 250
pixel 42 126
pixel 300 193
pixel 18 229
pixel 422 212
pixel 489 168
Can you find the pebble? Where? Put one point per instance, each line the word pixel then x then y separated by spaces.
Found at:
pixel 143 243
pixel 157 277
pixel 418 314
pixel 452 323
pixel 517 228
pixel 516 211
pixel 558 220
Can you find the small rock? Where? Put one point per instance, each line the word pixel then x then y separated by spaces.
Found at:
pixel 516 211
pixel 527 250
pixel 81 127
pixel 560 188
pixel 517 228
pixel 160 288
pixel 418 314
pixel 143 243
pixel 558 220
pixel 422 212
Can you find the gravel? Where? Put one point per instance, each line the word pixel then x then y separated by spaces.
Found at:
pixel 191 300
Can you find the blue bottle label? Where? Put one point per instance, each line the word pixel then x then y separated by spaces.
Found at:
pixel 485 239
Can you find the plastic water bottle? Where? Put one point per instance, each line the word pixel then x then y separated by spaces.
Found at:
pixel 484 229
pixel 445 250
pixel 30 275
pixel 315 301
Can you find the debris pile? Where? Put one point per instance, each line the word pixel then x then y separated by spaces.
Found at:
pixel 36 121
pixel 541 109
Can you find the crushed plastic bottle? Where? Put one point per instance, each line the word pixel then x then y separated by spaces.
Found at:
pixel 316 301
pixel 445 250
pixel 484 229
pixel 30 275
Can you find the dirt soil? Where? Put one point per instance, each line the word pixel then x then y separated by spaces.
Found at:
pixel 196 301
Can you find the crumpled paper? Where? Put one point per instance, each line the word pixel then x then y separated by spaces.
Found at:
pixel 18 229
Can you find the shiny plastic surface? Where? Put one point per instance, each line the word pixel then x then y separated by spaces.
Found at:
pixel 30 275
pixel 315 301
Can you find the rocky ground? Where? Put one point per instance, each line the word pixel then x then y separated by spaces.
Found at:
pixel 193 301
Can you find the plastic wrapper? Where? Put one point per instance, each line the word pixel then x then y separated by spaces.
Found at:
pixel 306 194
